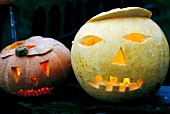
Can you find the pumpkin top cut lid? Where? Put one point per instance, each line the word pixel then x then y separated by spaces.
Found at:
pixel 36 45
pixel 122 13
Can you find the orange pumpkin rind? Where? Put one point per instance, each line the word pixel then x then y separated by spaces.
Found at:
pixel 36 73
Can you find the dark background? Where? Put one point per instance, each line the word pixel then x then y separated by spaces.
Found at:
pixel 61 19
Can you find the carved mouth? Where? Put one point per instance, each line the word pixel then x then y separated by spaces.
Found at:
pixel 33 92
pixel 113 84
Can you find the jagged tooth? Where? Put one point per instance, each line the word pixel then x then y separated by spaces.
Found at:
pixel 122 87
pixel 109 87
pixel 32 92
pixel 139 82
pixel 113 79
pixel 94 84
pixel 133 86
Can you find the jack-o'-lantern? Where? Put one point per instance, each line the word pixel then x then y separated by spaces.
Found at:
pixel 34 66
pixel 120 55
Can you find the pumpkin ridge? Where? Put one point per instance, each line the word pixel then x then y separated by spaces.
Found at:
pixel 2 75
pixel 6 77
pixel 56 56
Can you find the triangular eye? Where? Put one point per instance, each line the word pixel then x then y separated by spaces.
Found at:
pixel 45 67
pixel 16 73
pixel 136 37
pixel 90 40
pixel 119 58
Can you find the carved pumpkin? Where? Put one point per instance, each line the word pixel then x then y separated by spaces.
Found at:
pixel 34 66
pixel 120 55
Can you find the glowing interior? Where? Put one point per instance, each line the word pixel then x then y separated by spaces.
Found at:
pixel 113 84
pixel 30 46
pixel 90 40
pixel 35 80
pixel 45 67
pixel 16 73
pixel 119 58
pixel 136 37
pixel 33 92
pixel 14 45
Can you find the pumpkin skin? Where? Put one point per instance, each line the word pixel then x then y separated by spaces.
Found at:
pixel 120 55
pixel 47 63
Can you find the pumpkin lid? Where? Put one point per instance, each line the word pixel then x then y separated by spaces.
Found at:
pixel 36 45
pixel 121 13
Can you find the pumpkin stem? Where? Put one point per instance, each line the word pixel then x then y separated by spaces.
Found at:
pixel 21 51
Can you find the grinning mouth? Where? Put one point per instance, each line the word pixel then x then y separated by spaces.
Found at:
pixel 113 84
pixel 32 92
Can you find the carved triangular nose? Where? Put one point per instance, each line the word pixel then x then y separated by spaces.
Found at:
pixel 34 80
pixel 119 58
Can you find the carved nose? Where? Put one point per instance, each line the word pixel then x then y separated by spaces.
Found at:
pixel 119 58
pixel 34 80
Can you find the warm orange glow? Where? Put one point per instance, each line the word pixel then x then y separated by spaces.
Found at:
pixel 136 37
pixel 110 86
pixel 16 73
pixel 34 80
pixel 97 81
pixel 33 92
pixel 119 58
pixel 30 46
pixel 90 40
pixel 126 80
pixel 45 67
pixel 14 45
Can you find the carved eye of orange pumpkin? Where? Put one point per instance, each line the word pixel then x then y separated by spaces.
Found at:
pixel 33 66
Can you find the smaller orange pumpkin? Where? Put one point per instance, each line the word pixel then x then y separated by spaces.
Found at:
pixel 34 66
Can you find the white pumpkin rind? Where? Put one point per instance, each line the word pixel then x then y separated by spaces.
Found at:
pixel 148 60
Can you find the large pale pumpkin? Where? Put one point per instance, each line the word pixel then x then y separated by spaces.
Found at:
pixel 120 55
pixel 34 66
